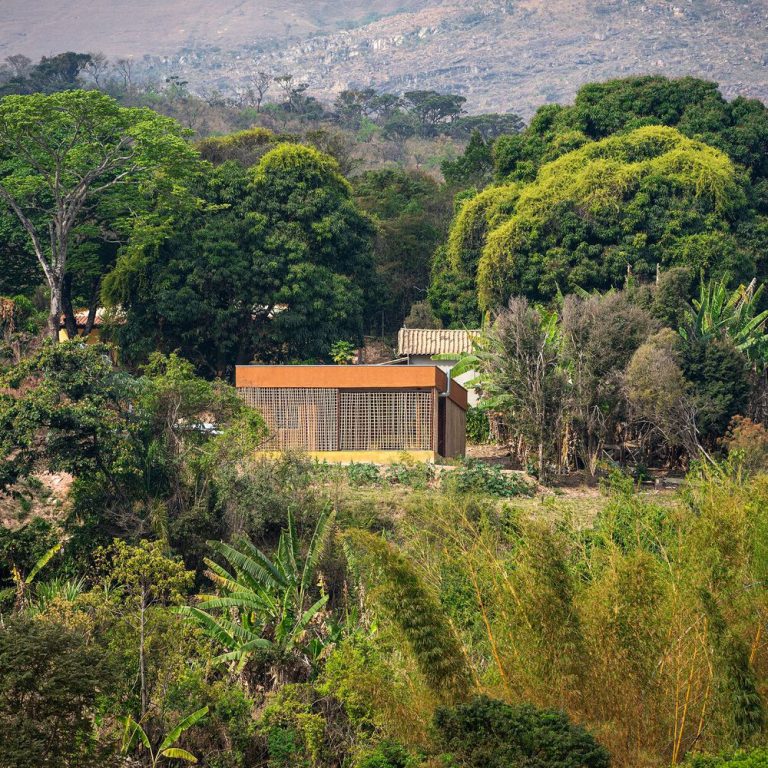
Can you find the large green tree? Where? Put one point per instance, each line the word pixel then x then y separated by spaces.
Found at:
pixel 412 212
pixel 275 265
pixel 630 203
pixel 695 107
pixel 61 155
pixel 50 681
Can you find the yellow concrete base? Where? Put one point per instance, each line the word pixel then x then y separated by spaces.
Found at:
pixel 357 457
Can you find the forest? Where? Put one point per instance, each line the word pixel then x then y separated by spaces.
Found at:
pixel 170 595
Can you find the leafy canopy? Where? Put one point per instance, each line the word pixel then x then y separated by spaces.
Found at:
pixel 275 265
pixel 630 202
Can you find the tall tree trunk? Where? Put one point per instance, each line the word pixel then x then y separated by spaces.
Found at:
pixel 70 323
pixel 54 316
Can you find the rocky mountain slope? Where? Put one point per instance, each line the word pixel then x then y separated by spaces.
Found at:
pixel 500 54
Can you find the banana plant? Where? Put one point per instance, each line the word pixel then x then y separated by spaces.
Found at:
pixel 264 603
pixel 720 311
pixel 134 733
pixel 22 584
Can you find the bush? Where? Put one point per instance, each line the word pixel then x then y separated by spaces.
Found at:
pixel 747 443
pixel 363 474
pixel 487 733
pixel 388 754
pixel 253 499
pixel 478 426
pixel 418 475
pixel 477 477
pixel 756 758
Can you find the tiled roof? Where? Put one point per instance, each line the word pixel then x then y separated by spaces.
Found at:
pixel 102 314
pixel 426 341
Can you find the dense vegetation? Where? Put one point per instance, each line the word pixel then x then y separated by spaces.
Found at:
pixel 339 616
pixel 166 594
pixel 639 174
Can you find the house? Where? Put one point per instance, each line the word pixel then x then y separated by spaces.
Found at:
pixel 358 412
pixel 419 345
pixel 101 317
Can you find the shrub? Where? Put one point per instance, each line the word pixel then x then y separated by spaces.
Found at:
pixel 756 758
pixel 388 754
pixel 413 475
pixel 747 443
pixel 253 499
pixel 477 477
pixel 486 733
pixel 363 474
pixel 478 426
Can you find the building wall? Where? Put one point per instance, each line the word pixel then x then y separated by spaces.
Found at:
pixel 455 430
pixel 324 419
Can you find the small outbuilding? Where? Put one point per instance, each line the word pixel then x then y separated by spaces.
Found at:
pixel 419 345
pixel 358 412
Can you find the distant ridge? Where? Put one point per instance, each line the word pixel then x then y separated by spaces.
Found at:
pixel 500 54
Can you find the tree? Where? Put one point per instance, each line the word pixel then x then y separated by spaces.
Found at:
pixel 243 147
pixel 136 446
pixel 624 204
pixel 486 733
pixel 411 213
pixel 97 67
pixel 719 311
pixel 276 266
pixel 50 75
pixel 719 376
pixel 521 375
pixel 64 153
pixel 147 578
pixel 431 108
pixel 50 682
pixel 695 107
pixel 600 335
pixel 474 168
pixel 342 352
pixel 261 84
pixel 19 64
pixel 421 316
pixel 271 599
pixel 453 286
pixel 659 394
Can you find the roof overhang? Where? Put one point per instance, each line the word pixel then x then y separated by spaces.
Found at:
pixel 350 377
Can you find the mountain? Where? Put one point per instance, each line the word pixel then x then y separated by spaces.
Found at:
pixel 500 54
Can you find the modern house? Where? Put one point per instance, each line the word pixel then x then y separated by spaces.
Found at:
pixel 358 412
pixel 419 345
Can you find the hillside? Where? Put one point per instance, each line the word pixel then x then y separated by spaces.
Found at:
pixel 501 54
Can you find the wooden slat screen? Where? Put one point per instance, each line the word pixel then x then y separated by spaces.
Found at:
pixel 347 420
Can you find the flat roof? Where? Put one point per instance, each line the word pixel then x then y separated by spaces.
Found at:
pixel 349 377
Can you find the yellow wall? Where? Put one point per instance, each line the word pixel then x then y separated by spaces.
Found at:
pixel 92 338
pixel 372 457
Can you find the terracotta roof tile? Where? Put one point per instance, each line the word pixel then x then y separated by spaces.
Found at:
pixel 425 341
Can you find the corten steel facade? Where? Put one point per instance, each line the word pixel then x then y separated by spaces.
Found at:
pixel 357 413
